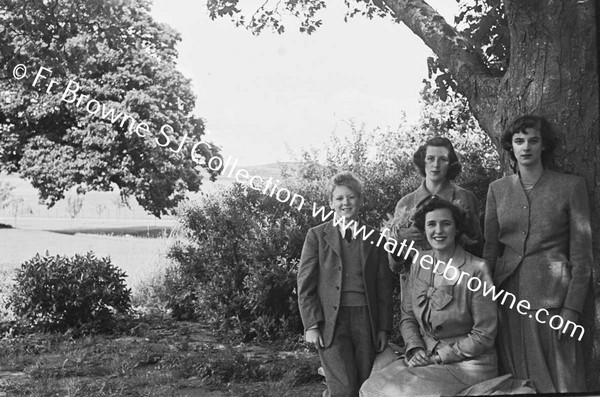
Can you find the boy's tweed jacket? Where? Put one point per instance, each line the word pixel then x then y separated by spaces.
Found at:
pixel 320 280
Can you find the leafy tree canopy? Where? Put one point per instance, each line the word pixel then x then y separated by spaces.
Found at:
pixel 115 55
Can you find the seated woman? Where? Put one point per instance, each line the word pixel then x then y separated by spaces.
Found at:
pixel 447 324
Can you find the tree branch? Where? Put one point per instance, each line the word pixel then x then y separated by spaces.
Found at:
pixel 475 80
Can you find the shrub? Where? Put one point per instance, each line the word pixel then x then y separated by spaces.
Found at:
pixel 54 293
pixel 236 268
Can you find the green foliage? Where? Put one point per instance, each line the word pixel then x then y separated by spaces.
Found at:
pixel 269 15
pixel 381 159
pixel 121 58
pixel 6 193
pixel 236 266
pixel 54 293
pixel 484 23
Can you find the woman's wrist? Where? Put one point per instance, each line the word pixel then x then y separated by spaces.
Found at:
pixel 436 358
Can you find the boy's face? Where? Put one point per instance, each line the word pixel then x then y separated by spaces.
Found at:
pixel 345 202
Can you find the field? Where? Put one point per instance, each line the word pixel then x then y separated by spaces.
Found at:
pixel 138 256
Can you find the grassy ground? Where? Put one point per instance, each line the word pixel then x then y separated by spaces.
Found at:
pixel 153 358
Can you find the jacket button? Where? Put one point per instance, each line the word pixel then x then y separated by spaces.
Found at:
pixel 337 287
pixel 524 233
pixel 335 308
pixel 340 268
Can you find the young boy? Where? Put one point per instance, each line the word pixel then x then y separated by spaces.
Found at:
pixel 345 291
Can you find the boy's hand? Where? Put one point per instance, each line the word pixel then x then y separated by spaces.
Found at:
pixel 382 340
pixel 313 336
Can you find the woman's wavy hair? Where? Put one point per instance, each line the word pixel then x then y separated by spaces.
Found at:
pixel 434 203
pixel 538 123
pixel 438 141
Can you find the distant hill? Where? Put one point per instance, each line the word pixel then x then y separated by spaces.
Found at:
pixel 265 171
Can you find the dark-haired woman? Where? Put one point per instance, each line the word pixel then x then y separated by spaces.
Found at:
pixel 539 245
pixel 438 162
pixel 448 326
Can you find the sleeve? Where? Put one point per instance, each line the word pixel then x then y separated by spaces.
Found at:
pixel 409 326
pixel 491 249
pixel 308 278
pixel 385 288
pixel 485 323
pixel 580 247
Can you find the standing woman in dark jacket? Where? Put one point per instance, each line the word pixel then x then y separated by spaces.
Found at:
pixel 539 245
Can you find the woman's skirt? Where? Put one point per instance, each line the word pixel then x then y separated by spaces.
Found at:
pixel 531 350
pixel 397 379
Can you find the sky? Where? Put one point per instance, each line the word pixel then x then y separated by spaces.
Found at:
pixel 265 97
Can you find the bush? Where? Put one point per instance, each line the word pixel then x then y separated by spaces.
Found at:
pixel 55 293
pixel 236 268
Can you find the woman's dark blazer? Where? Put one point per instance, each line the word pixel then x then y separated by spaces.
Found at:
pixel 551 239
pixel 320 281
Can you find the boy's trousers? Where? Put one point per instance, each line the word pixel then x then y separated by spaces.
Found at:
pixel 347 362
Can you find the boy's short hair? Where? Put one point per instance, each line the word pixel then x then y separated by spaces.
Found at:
pixel 347 179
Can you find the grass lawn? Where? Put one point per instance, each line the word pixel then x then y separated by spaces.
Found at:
pixel 138 256
pixel 152 358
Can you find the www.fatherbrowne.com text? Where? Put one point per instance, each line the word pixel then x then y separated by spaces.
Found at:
pixel 473 283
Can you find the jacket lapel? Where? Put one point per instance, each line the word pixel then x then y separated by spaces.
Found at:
pixel 518 188
pixel 332 238
pixel 366 245
pixel 458 261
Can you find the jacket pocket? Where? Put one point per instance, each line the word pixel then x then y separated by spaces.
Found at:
pixel 555 277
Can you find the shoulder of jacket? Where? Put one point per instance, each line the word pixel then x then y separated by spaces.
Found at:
pixel 407 197
pixel 319 228
pixel 462 191
pixel 478 264
pixel 563 178
pixel 502 181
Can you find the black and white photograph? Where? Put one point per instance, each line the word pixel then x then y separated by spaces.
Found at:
pixel 290 198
